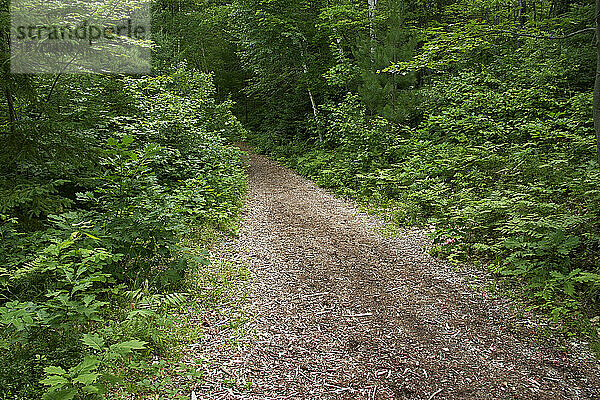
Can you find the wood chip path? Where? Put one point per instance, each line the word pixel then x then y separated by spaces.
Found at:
pixel 340 311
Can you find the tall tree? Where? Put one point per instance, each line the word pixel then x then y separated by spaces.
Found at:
pixel 372 12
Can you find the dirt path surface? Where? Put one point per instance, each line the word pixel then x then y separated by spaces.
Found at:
pixel 342 312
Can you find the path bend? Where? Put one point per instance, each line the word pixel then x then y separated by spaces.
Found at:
pixel 343 312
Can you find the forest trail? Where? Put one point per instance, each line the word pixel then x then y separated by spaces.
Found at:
pixel 343 312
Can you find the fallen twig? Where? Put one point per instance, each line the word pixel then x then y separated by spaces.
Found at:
pixel 435 393
pixel 359 315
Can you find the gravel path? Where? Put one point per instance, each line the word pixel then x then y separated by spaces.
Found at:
pixel 342 312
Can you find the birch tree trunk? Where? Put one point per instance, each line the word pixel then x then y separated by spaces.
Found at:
pixel 310 94
pixel 313 103
pixel 372 10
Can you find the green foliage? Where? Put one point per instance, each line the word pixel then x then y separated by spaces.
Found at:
pixel 85 379
pixel 65 385
pixel 451 113
pixel 79 234
pixel 73 276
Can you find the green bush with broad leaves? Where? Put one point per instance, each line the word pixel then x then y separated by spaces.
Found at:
pixel 92 248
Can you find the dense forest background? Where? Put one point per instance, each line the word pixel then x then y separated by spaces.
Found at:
pixel 474 117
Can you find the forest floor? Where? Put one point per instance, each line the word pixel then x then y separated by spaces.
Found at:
pixel 338 310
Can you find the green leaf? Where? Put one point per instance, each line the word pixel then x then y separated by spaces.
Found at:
pixel 64 394
pixel 90 236
pixel 89 364
pixel 127 140
pixel 94 389
pixel 86 379
pixel 588 277
pixel 55 381
pixel 52 370
pixel 557 275
pixel 569 288
pixel 93 341
pixel 126 348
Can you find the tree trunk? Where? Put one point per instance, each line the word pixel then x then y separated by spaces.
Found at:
pixel 4 76
pixel 523 13
pixel 315 111
pixel 11 111
pixel 338 41
pixel 372 10
pixel 310 95
pixel 313 103
pixel 597 84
